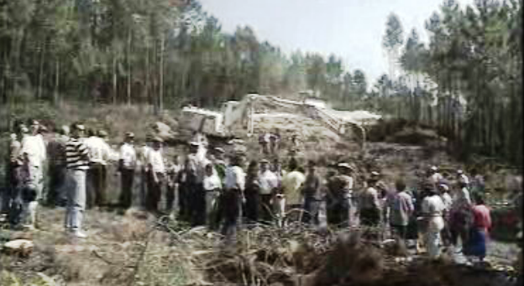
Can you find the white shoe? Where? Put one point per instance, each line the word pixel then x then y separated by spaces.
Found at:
pixel 79 234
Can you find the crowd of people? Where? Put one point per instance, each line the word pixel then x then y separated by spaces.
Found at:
pixel 221 190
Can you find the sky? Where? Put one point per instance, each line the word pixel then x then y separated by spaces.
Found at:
pixel 350 29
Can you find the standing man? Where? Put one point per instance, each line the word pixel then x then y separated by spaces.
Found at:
pixel 77 160
pixel 212 187
pixel 57 167
pixel 233 196
pixel 172 193
pixel 126 167
pixel 369 203
pixel 15 161
pixel 99 154
pixel 268 183
pixel 400 207
pixel 312 195
pixel 341 186
pixel 291 186
pixel 432 210
pixel 34 151
pixel 144 169
pixel 252 193
pixel 195 178
pixel 156 171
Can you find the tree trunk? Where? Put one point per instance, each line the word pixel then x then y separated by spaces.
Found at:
pixel 40 72
pixel 57 81
pixel 161 75
pixel 129 68
pixel 114 80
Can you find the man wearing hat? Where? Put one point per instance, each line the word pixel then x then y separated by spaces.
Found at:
pixel 341 206
pixel 268 183
pixel 126 167
pixel 57 167
pixel 99 154
pixel 77 160
pixel 369 202
pixel 156 173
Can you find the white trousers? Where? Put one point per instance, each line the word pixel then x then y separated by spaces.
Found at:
pixel 211 201
pixel 435 226
pixel 76 200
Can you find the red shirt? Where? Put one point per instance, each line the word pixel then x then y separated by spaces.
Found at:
pixel 482 217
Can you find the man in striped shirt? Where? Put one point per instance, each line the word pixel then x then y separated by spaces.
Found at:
pixel 77 160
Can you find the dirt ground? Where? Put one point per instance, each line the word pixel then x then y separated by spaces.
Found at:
pixel 138 249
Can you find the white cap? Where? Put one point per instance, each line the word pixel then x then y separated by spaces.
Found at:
pixel 434 168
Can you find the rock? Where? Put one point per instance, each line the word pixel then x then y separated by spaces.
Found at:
pixel 21 247
pixel 162 130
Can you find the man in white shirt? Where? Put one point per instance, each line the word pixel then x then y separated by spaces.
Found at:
pixel 212 187
pixel 268 183
pixel 291 188
pixel 233 196
pixel 99 154
pixel 369 203
pixel 195 178
pixel 433 209
pixel 156 171
pixel 143 151
pixel 126 167
pixel 33 145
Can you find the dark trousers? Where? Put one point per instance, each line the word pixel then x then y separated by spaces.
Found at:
pixel 126 183
pixel 197 204
pixel 266 209
pixel 457 232
pixel 230 209
pixel 57 180
pixel 183 202
pixel 251 207
pixel 172 198
pixel 21 196
pixel 154 191
pixel 311 207
pixel 338 211
pixel 400 230
pixel 96 185
pixel 144 175
pixel 370 217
